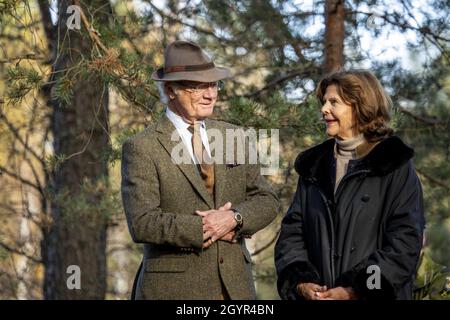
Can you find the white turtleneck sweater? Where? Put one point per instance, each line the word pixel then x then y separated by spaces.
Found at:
pixel 344 152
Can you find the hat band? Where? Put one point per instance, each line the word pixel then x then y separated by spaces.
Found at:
pixel 197 67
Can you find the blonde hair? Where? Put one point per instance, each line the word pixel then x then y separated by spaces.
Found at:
pixel 370 102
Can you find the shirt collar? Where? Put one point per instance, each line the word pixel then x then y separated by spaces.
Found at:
pixel 178 121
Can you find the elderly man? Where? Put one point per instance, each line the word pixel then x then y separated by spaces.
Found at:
pixel 192 216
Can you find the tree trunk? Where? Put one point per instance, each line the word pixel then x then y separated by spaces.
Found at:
pixel 77 232
pixel 334 35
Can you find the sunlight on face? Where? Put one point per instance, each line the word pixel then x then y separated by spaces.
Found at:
pixel 194 105
pixel 338 115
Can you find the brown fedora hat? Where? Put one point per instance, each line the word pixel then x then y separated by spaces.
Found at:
pixel 185 60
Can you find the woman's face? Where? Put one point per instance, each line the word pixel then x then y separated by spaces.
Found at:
pixel 338 115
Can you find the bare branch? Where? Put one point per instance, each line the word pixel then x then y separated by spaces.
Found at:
pixel 267 245
pixel 429 121
pixel 16 134
pixel 426 32
pixel 20 252
pixel 433 180
pixel 173 18
pixel 305 72
pixel 20 179
pixel 26 56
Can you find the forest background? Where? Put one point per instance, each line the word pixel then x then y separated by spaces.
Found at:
pixel 72 90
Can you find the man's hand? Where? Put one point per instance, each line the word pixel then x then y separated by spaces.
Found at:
pixel 229 237
pixel 338 293
pixel 217 224
pixel 310 291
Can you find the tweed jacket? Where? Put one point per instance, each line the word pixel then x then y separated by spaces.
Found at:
pixel 160 198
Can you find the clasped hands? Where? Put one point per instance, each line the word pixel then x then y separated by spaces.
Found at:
pixel 312 291
pixel 218 225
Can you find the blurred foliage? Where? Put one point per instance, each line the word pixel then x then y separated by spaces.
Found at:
pixel 276 62
pixel 90 202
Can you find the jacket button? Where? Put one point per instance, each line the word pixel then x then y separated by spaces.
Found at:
pixel 221 260
pixel 352 249
pixel 365 198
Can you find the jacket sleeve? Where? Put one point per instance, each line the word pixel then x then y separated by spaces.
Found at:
pixel 261 205
pixel 291 255
pixel 401 240
pixel 141 200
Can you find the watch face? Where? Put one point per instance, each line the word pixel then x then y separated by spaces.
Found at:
pixel 238 217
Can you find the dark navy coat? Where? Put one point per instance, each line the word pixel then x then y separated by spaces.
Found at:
pixel 374 219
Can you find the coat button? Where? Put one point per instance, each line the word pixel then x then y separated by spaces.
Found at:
pixel 365 198
pixel 352 249
pixel 221 260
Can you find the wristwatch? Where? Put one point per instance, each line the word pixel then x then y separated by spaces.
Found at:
pixel 238 218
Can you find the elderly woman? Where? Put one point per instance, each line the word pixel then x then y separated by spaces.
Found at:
pixel 353 230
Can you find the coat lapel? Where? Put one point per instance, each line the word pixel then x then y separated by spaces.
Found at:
pixel 219 168
pixel 166 128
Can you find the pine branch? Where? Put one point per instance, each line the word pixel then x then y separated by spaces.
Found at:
pixel 112 54
pixel 429 121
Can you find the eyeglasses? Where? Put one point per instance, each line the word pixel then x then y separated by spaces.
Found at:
pixel 200 87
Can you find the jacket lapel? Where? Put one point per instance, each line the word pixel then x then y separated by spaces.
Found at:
pixel 190 171
pixel 219 183
pixel 219 168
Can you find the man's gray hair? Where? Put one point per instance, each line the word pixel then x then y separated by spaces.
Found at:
pixel 161 85
pixel 162 92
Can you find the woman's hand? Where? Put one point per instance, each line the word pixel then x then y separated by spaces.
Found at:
pixel 338 293
pixel 310 291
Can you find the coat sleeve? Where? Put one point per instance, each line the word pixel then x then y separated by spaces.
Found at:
pixel 261 205
pixel 291 255
pixel 141 200
pixel 401 240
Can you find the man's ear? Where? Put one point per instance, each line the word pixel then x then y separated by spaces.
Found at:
pixel 170 92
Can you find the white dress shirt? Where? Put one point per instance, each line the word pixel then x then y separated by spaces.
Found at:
pixel 182 128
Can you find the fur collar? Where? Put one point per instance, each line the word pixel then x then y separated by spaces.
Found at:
pixel 383 158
